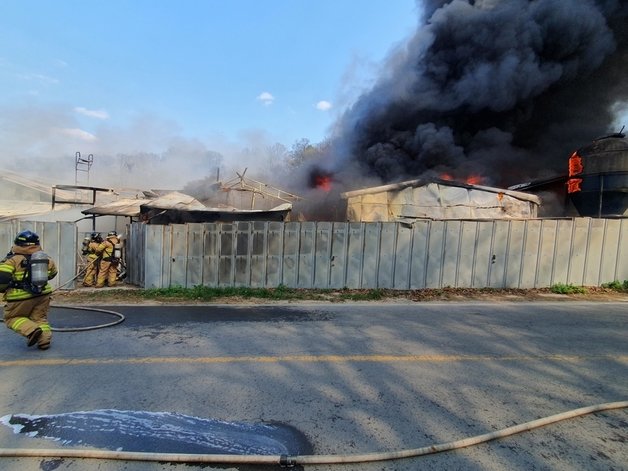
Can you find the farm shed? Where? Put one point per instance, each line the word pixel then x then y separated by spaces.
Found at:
pixel 437 199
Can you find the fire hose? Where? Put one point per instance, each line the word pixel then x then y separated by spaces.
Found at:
pixel 285 460
pixel 120 317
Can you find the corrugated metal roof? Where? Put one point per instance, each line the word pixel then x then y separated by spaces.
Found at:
pixel 175 200
pixel 10 210
pixel 422 182
pixel 129 207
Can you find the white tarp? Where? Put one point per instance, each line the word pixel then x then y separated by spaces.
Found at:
pixel 438 200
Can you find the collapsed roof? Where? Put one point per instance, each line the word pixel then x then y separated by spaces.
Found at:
pixel 178 208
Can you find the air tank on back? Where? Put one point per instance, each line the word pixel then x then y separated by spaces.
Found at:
pixel 598 177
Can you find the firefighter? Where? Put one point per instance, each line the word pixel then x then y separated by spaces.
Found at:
pixel 90 248
pixel 24 275
pixel 109 252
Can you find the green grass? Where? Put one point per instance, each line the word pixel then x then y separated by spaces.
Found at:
pixel 282 293
pixel 616 285
pixel 561 288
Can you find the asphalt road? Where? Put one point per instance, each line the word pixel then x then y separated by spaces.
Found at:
pixel 323 379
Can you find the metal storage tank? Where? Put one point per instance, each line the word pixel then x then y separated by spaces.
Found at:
pixel 598 177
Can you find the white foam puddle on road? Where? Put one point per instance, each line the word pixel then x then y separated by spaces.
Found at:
pixel 160 432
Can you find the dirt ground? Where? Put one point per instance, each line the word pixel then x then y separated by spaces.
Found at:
pixel 126 294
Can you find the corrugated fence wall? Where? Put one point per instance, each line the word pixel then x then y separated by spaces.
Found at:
pixel 426 254
pixel 58 240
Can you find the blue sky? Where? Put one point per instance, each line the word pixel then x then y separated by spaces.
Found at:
pixel 128 75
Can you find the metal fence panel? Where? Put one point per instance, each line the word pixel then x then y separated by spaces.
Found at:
pixel 547 248
pixel 530 254
pixel 339 252
pixel 483 255
pixel 274 263
pixel 435 249
pixel 499 254
pixel 305 255
pixel 290 269
pixel 226 255
pixel 514 258
pixel 577 258
pixel 370 255
pixel 562 252
pixel 451 253
pixel 387 253
pixel 622 253
pixel 468 233
pixel 355 252
pixel 593 257
pixel 322 254
pixel 420 254
pixel 211 254
pixel 178 254
pixel 259 237
pixel 194 253
pixel 135 250
pixel 243 251
pixel 403 257
pixel 425 254
pixel 153 257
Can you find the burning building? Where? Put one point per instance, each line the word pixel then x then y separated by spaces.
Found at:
pixel 504 89
pixel 595 183
pixel 598 177
pixel 438 199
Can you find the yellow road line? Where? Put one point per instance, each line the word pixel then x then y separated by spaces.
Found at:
pixel 307 359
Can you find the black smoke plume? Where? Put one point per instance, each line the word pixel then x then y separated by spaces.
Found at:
pixel 503 89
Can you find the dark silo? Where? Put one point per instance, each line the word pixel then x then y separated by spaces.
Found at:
pixel 598 177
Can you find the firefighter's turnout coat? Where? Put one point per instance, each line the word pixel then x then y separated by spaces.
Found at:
pixel 91 271
pixel 108 268
pixel 24 310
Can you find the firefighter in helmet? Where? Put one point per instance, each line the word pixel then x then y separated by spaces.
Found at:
pixel 24 275
pixel 109 252
pixel 90 248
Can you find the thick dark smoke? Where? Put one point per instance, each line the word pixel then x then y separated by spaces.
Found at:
pixel 503 89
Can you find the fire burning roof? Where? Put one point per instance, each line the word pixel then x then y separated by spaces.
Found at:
pixel 437 199
pixel 422 182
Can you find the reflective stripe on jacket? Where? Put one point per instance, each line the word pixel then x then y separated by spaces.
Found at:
pixel 13 271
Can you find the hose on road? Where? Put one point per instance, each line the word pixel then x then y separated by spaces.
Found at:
pixel 309 459
pixel 120 318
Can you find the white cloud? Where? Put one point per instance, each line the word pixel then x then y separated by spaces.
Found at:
pixel 266 98
pixel 323 105
pixel 98 114
pixel 77 134
pixel 43 79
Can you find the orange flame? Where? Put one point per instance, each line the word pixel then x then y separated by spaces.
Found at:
pixel 470 180
pixel 575 165
pixel 474 180
pixel 573 185
pixel 323 182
